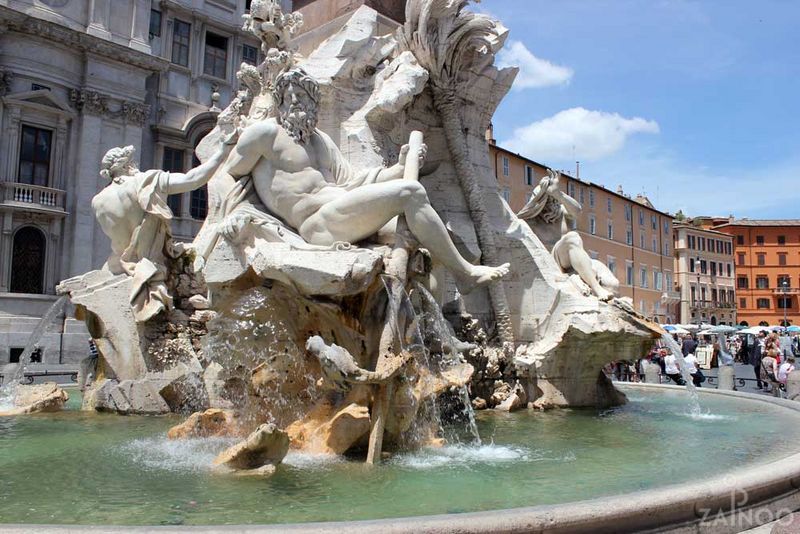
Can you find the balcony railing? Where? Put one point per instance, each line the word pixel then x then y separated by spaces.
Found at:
pixel 712 304
pixel 34 196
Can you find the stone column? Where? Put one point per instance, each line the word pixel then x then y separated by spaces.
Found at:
pixel 99 11
pixel 6 227
pixel 12 143
pixel 727 377
pixel 59 155
pixel 651 373
pixel 82 227
pixel 140 26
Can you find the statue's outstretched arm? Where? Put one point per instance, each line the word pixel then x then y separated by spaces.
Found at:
pixel 200 175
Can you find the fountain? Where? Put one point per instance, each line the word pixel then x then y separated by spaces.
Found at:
pixel 358 295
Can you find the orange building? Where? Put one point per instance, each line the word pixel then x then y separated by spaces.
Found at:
pixel 627 234
pixel 767 256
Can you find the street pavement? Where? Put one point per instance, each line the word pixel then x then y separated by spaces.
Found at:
pixel 742 371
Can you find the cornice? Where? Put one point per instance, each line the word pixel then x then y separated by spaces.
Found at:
pixel 11 20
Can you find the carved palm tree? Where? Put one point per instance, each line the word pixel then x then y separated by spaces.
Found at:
pixel 447 40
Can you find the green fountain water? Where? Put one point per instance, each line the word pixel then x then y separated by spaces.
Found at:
pixel 87 468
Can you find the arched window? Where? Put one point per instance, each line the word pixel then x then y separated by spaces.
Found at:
pixel 713 320
pixel 744 323
pixel 27 261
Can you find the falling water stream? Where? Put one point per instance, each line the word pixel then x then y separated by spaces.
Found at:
pixel 444 333
pixel 9 387
pixel 694 400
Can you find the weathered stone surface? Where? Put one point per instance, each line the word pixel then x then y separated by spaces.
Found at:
pixel 348 52
pixel 514 399
pixel 479 403
pixel 210 423
pixel 186 393
pixel 311 272
pixel 199 302
pixel 97 395
pixel 47 397
pixel 266 445
pixel 138 397
pixel 334 436
pixel 110 320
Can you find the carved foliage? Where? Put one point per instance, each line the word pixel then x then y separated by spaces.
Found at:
pixel 96 103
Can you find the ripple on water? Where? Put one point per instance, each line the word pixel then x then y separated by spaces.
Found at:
pixel 708 416
pixel 458 456
pixel 160 453
pixel 305 460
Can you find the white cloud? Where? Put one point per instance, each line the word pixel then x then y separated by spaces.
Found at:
pixel 673 184
pixel 533 71
pixel 577 133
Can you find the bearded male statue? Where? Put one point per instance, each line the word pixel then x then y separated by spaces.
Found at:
pixel 301 176
pixel 552 215
pixel 132 211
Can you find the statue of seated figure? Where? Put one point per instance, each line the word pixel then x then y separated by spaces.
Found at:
pixel 132 211
pixel 552 215
pixel 300 175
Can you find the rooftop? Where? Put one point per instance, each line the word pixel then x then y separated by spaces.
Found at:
pixel 640 199
pixel 689 226
pixel 761 222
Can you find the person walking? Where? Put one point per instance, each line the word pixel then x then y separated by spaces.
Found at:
pixel 755 357
pixel 87 366
pixel 769 370
pixel 784 369
pixel 689 345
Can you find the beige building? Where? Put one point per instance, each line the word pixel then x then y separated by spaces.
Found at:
pixel 629 235
pixel 705 275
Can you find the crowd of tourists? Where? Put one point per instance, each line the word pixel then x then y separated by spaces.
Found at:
pixel 771 355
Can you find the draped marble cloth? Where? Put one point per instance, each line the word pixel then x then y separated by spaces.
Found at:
pixel 242 200
pixel 151 244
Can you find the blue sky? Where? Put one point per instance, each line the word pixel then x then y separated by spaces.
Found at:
pixel 696 104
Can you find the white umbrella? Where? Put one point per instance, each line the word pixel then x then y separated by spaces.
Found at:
pixel 754 330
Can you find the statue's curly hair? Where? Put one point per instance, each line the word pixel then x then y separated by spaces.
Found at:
pixel 112 157
pixel 296 76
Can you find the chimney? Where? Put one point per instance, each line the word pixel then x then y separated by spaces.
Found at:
pixel 490 135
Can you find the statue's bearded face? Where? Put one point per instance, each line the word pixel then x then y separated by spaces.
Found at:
pixel 297 112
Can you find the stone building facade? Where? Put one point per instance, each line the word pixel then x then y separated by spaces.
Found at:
pixel 78 77
pixel 629 235
pixel 705 274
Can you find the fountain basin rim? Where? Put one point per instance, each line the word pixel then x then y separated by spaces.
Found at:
pixel 773 486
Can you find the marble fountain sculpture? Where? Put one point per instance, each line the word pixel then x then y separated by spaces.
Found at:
pixel 356 263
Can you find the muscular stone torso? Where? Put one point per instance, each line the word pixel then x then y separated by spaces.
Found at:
pixel 295 179
pixel 118 212
pixel 550 233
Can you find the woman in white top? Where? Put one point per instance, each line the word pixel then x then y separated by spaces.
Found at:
pixel 784 370
pixel 691 364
